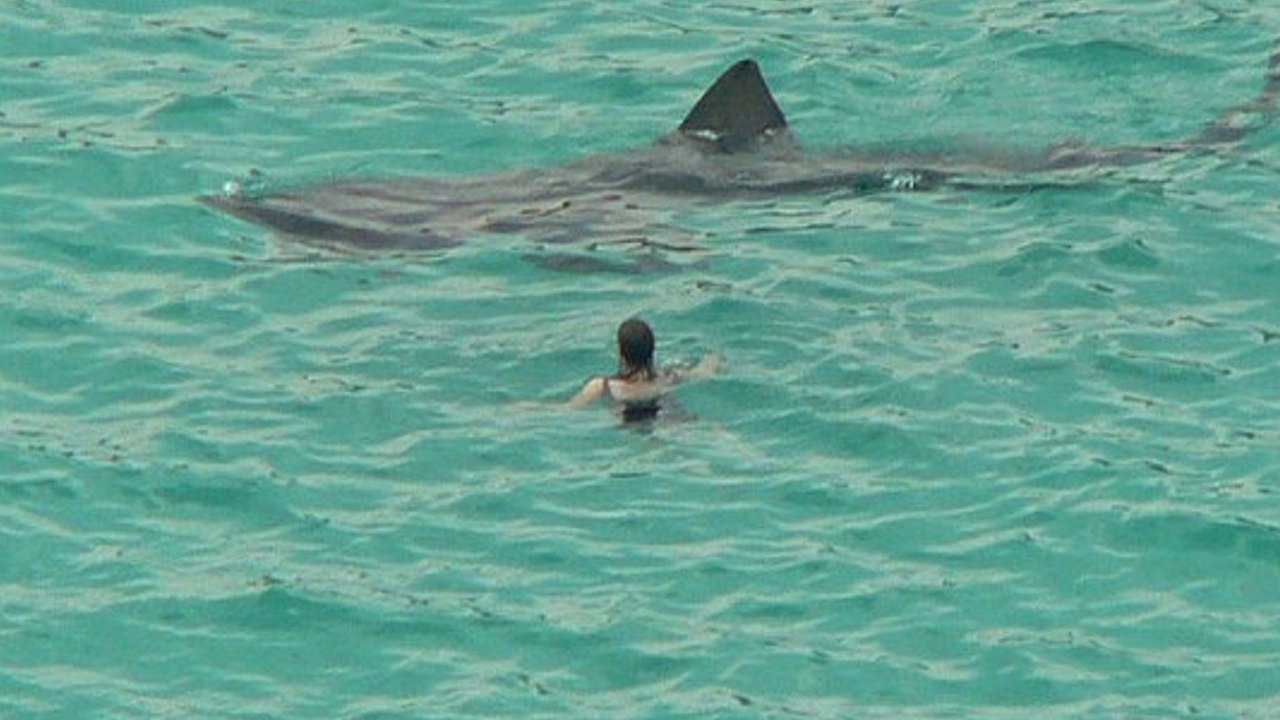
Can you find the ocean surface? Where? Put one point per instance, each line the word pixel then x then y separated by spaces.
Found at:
pixel 1003 453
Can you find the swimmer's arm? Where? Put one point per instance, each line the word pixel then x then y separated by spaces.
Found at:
pixel 589 393
pixel 708 366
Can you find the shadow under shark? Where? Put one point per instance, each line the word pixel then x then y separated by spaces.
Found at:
pixel 734 143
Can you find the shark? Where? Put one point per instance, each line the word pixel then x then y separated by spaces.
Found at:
pixel 735 142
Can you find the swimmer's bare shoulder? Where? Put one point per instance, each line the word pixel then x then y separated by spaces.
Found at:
pixel 598 386
pixel 591 392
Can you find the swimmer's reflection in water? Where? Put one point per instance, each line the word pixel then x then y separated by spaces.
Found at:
pixel 638 391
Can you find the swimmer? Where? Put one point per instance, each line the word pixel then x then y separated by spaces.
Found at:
pixel 637 389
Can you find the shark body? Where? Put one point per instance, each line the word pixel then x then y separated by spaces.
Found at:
pixel 735 142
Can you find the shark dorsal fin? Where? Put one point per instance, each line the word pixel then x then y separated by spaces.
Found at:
pixel 738 107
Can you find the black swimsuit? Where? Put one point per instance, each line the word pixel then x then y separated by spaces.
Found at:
pixel 634 410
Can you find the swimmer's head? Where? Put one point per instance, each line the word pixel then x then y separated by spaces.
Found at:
pixel 635 347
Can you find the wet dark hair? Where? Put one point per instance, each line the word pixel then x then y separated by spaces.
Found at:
pixel 635 349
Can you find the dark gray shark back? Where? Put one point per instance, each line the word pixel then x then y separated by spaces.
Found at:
pixel 736 112
pixel 734 142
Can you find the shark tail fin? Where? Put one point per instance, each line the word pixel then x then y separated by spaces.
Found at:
pixel 1235 123
pixel 738 106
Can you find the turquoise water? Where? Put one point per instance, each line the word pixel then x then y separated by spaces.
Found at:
pixel 977 454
